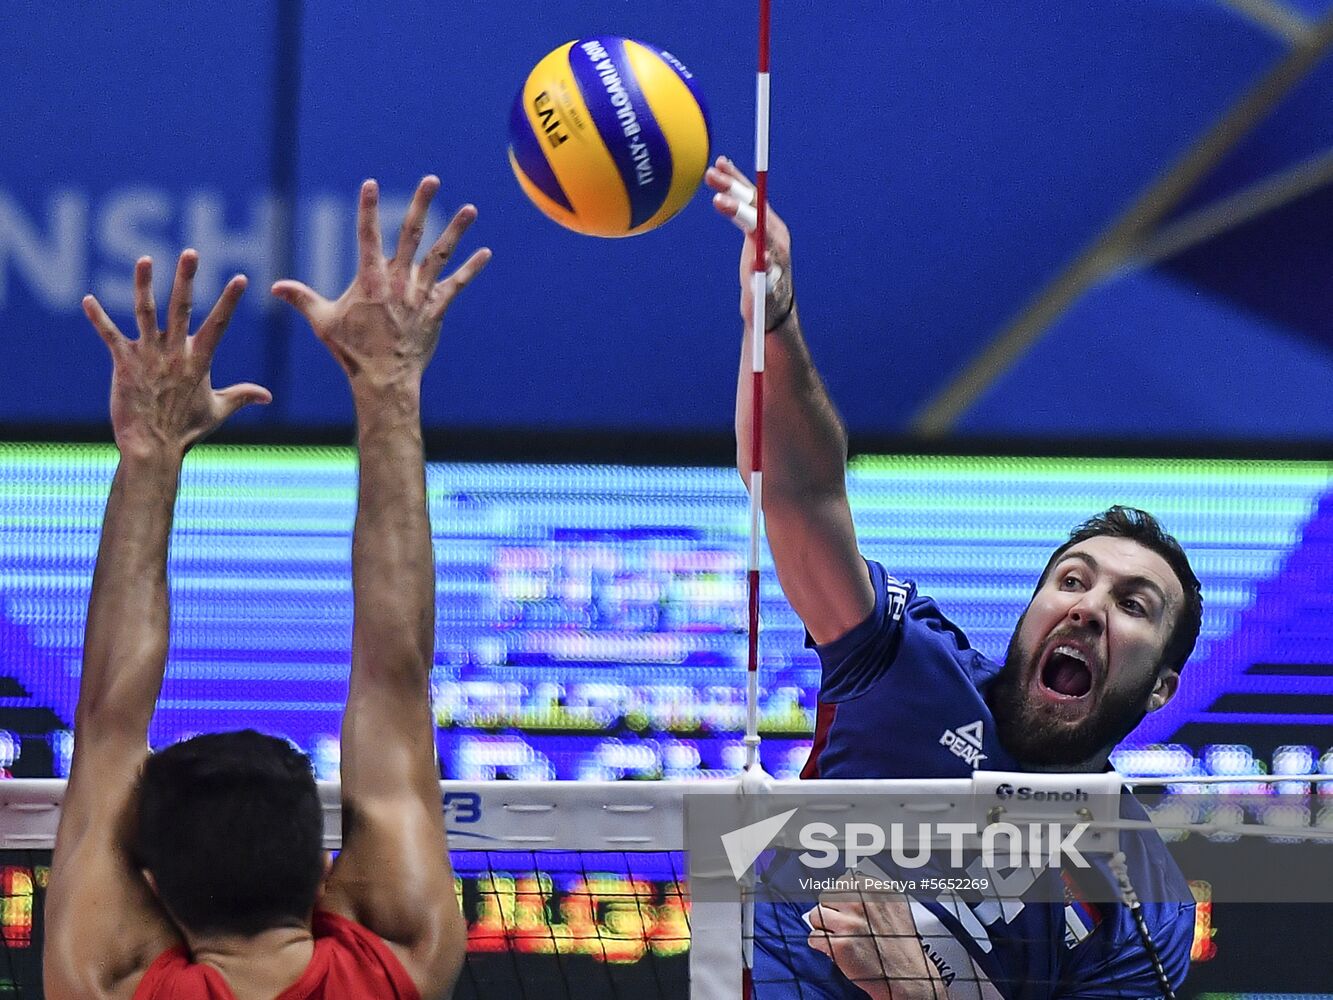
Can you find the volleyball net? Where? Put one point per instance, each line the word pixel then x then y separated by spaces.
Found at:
pixel 640 889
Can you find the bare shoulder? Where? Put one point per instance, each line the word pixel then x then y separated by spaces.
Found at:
pixel 104 927
pixel 102 933
pixel 433 966
pixel 72 984
pixel 393 878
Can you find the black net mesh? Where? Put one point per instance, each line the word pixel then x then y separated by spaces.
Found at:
pixel 577 925
pixel 562 924
pixel 551 925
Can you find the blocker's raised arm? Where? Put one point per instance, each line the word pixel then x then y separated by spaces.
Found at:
pixel 103 926
pixel 393 874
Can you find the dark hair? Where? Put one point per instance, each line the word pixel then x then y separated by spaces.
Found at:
pixel 231 828
pixel 1140 526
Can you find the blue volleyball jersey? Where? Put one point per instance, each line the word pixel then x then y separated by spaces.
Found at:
pixel 902 696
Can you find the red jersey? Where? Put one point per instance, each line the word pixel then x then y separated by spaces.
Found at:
pixel 350 963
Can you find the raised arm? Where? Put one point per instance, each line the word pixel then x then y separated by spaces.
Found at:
pixel 393 875
pixel 806 515
pixel 103 926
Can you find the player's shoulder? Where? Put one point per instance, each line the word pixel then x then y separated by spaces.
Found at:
pixel 1106 945
pixel 906 637
pixel 103 927
pixel 1119 955
pixel 895 593
pixel 336 928
pixel 928 633
pixel 900 601
pixel 82 977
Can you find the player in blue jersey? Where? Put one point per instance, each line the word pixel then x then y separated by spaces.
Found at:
pixel 1114 617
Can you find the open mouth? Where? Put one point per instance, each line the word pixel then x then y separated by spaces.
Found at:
pixel 1066 672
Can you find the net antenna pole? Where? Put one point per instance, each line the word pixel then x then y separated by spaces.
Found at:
pixel 759 322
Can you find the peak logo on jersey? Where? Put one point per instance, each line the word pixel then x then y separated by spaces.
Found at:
pixel 965 742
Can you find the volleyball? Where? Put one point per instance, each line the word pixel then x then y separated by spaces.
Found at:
pixel 609 136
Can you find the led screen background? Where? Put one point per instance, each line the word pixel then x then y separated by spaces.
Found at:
pixel 590 619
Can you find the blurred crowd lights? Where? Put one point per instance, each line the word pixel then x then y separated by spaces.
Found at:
pixel 1225 811
pixel 612 917
pixel 1229 760
pixel 513 757
pixel 18 884
pixel 602 705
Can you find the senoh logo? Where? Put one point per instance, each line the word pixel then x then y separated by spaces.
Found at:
pixel 1023 793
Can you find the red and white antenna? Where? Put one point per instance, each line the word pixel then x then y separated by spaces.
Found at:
pixel 759 293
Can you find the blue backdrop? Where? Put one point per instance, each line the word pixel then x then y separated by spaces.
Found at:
pixel 941 164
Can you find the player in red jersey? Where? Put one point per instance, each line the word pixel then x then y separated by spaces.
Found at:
pixel 199 871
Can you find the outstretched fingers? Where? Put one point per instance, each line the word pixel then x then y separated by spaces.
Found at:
pixel 438 255
pixel 301 297
pixel 182 297
pixel 723 167
pixel 735 195
pixel 145 309
pixel 206 340
pixel 743 214
pixel 445 292
pixel 370 244
pixel 102 323
pixel 233 397
pixel 414 226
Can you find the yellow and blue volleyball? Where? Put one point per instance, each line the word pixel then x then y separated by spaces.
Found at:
pixel 609 136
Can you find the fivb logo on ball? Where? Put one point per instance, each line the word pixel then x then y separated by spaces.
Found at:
pixel 608 136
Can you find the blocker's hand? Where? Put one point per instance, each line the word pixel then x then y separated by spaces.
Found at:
pixel 735 200
pixel 872 938
pixel 383 329
pixel 162 396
